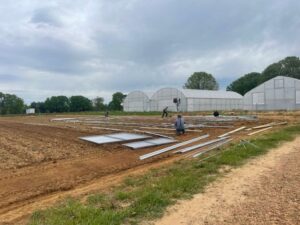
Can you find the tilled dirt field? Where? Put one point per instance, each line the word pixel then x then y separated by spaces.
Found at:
pixel 40 158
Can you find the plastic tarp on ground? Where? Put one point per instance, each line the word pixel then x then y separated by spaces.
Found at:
pixel 150 143
pixel 113 138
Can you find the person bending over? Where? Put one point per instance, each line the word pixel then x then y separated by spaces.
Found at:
pixel 165 112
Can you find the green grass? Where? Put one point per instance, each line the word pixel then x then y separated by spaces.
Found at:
pixel 146 197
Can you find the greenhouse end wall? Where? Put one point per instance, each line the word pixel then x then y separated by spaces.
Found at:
pixel 165 98
pixel 137 101
pixel 279 93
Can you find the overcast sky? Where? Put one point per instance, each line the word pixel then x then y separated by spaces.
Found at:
pixel 95 48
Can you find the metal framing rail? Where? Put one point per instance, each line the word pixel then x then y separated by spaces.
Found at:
pixel 158 152
pixel 191 148
pixel 262 130
pixel 212 147
pixel 231 132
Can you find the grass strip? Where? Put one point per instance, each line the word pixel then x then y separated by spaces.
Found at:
pixel 146 197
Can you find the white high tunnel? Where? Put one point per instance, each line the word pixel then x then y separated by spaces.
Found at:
pixel 190 100
pixel 137 101
pixel 278 93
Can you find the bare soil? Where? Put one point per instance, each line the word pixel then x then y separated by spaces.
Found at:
pixel 42 161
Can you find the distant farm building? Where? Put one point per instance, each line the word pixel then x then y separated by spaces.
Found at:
pixel 30 111
pixel 137 101
pixel 279 93
pixel 183 100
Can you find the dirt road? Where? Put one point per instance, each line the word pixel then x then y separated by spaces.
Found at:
pixel 264 191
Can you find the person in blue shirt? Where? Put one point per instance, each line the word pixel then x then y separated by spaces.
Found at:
pixel 179 125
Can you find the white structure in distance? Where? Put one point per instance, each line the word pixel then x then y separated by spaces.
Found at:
pixel 183 100
pixel 30 111
pixel 279 93
pixel 137 101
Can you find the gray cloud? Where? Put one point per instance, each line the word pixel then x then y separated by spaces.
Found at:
pixel 98 47
pixel 46 17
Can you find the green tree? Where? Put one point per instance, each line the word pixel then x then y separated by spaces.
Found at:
pixel 245 83
pixel 80 103
pixel 202 81
pixel 98 104
pixel 290 66
pixel 11 104
pixel 2 96
pixel 116 102
pixel 57 104
pixel 38 106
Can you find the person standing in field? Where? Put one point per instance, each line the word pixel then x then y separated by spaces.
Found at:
pixel 165 112
pixel 179 125
pixel 106 114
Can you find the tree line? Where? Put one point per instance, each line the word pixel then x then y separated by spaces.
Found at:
pixel 60 104
pixel 11 104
